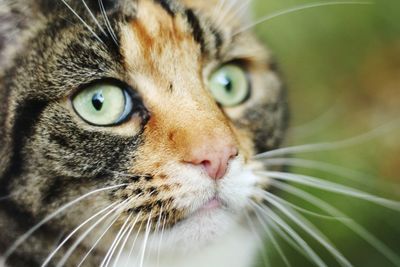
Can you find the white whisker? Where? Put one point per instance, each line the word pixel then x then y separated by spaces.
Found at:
pixel 83 21
pixel 238 12
pixel 156 231
pixel 307 226
pixel 299 8
pixel 281 223
pixel 133 224
pixel 99 239
pixel 273 240
pixel 219 7
pixel 286 237
pixel 111 250
pixel 314 125
pixel 108 24
pixel 146 238
pixel 133 244
pixel 256 234
pixel 351 224
pixel 123 234
pixel 225 12
pixel 332 187
pixel 305 211
pixel 321 166
pixel 342 172
pixel 93 17
pixel 330 145
pixel 51 255
pixel 88 231
pixel 25 236
pixel 161 239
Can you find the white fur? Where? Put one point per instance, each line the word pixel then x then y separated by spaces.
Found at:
pixel 236 248
pixel 213 238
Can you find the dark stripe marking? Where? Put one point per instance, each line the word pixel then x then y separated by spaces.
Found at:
pixel 26 116
pixel 219 40
pixel 197 31
pixel 56 188
pixel 166 5
pixel 59 186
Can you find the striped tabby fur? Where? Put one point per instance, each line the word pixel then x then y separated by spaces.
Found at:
pixel 164 50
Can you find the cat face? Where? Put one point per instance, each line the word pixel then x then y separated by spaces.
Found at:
pixel 157 105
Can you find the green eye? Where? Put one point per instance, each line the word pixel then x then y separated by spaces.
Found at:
pixel 229 85
pixel 103 104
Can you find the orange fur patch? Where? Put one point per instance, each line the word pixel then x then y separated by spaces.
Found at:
pixel 186 117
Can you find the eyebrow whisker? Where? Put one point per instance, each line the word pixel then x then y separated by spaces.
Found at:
pixel 83 21
pixel 93 17
pixel 108 24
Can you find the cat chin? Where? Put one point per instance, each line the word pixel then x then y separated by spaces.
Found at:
pixel 211 220
pixel 215 238
pixel 197 231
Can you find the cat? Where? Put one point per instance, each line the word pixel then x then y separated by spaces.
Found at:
pixel 137 133
pixel 133 120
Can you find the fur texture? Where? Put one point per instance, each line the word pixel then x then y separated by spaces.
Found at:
pixel 163 51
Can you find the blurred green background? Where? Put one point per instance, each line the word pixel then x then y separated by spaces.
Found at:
pixel 342 67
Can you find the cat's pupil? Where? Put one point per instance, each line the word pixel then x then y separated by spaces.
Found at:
pixel 98 101
pixel 228 84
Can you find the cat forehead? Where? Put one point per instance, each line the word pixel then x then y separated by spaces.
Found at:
pixel 160 30
pixel 156 27
pixel 156 19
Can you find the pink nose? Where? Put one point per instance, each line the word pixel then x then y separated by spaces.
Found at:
pixel 214 158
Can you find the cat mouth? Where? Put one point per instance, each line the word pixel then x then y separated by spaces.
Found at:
pixel 212 204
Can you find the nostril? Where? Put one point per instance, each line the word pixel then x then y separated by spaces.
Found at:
pixel 229 154
pixel 211 167
pixel 214 159
pixel 206 163
pixel 218 163
pixel 234 153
